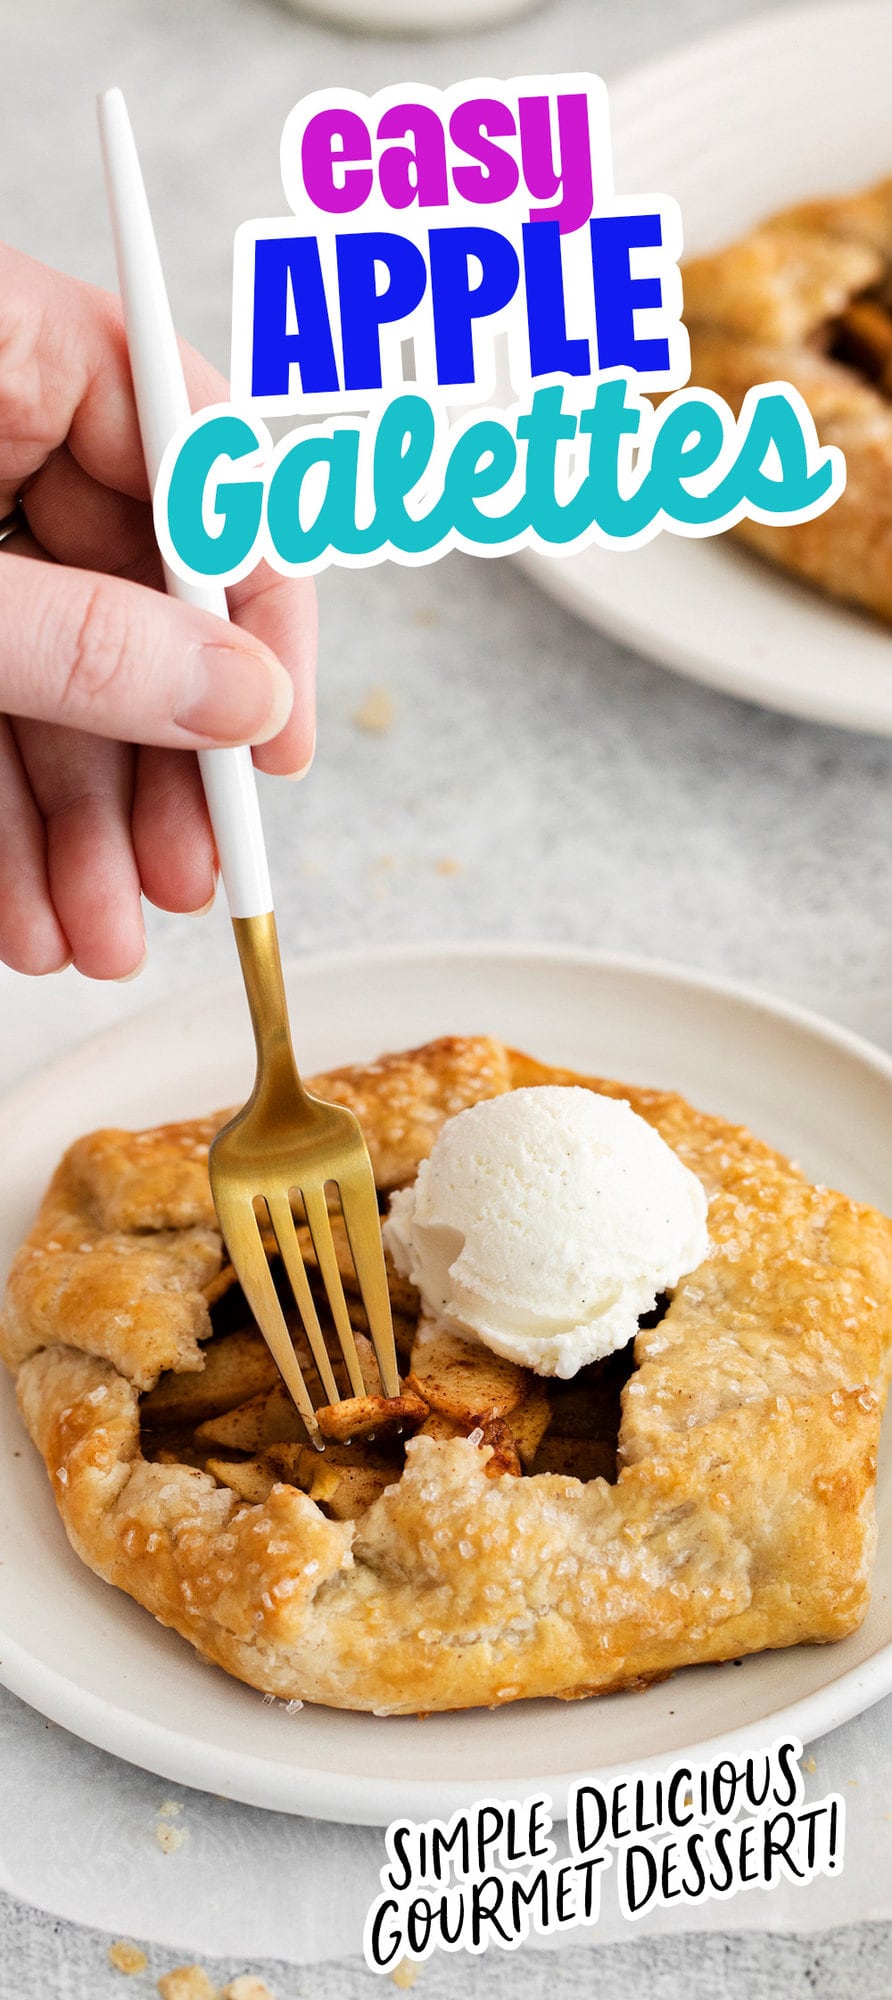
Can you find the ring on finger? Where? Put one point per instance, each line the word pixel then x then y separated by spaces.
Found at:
pixel 14 523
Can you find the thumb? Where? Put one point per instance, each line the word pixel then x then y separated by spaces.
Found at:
pixel 120 660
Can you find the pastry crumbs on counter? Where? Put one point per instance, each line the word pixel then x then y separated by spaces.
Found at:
pixel 191 1982
pixel 375 713
pixel 448 866
pixel 246 1987
pixel 186 1982
pixel 171 1809
pixel 809 1765
pixel 169 1838
pixel 405 1974
pixel 126 1957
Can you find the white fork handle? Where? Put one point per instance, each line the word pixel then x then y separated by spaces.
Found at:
pixel 162 404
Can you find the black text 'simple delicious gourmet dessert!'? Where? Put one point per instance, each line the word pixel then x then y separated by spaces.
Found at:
pixel 495 1532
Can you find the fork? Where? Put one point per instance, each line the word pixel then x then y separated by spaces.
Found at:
pixel 284 1142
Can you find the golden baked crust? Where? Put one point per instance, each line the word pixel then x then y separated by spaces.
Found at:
pixel 807 298
pixel 741 1517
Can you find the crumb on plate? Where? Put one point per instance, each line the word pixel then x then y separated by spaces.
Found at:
pixel 169 1838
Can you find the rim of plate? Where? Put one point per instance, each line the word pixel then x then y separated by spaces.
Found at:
pixel 558 577
pixel 373 1801
pixel 562 577
pixel 770 22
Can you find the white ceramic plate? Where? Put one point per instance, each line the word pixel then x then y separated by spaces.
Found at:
pixel 795 103
pixel 90 1659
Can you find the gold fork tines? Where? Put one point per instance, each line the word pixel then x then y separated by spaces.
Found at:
pixel 285 1145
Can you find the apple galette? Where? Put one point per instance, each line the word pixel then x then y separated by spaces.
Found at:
pixel 576 1520
pixel 807 298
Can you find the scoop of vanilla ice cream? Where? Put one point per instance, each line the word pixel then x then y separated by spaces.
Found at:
pixel 545 1222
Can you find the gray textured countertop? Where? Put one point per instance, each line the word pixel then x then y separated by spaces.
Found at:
pixel 537 780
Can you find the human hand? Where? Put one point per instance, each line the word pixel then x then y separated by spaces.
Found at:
pixel 108 687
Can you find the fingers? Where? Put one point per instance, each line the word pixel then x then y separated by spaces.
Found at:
pixel 68 428
pixel 172 838
pixel 84 787
pixel 281 611
pixel 118 660
pixel 31 938
pixel 85 657
pixel 78 521
pixel 80 832
pixel 85 524
pixel 64 373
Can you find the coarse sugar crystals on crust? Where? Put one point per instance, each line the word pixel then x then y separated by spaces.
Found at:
pixel 708 1495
